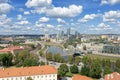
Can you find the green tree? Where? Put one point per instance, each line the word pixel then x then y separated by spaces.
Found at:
pixel 117 65
pixel 24 58
pixel 6 59
pixel 30 62
pixel 77 60
pixel 42 63
pixel 41 54
pixel 58 58
pixel 107 70
pixel 65 45
pixel 74 69
pixel 95 70
pixel 85 70
pixel 70 59
pixel 84 47
pixel 86 60
pixel 29 78
pixel 49 56
pixel 106 62
pixel 20 57
pixel 62 70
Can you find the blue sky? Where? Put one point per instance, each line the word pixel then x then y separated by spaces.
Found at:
pixel 53 16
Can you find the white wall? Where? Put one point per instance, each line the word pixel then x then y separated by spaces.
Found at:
pixel 34 77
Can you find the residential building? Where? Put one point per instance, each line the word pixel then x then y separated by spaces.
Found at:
pixel 12 49
pixel 112 76
pixel 36 73
pixel 80 77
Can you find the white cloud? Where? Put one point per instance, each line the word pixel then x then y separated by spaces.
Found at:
pixel 24 22
pixel 61 21
pixel 5 8
pixel 26 12
pixel 5 21
pixel 102 27
pixel 43 19
pixel 39 10
pixel 88 17
pixel 20 17
pixel 46 6
pixel 112 17
pixel 60 12
pixel 38 3
pixel 111 2
pixel 21 9
pixel 39 25
pixel 4 1
pixel 49 26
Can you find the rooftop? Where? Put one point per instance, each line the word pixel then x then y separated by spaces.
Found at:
pixel 80 77
pixel 112 76
pixel 11 48
pixel 27 71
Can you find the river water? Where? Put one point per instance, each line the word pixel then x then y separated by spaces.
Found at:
pixel 62 52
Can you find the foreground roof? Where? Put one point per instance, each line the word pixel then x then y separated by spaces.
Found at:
pixel 112 76
pixel 80 77
pixel 27 71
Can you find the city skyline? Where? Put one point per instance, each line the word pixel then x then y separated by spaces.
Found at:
pixel 39 16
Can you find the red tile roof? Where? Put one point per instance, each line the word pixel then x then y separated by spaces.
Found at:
pixel 80 77
pixel 112 76
pixel 27 71
pixel 11 48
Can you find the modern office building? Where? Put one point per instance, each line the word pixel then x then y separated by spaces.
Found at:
pixel 36 73
pixel 111 49
pixel 77 34
pixel 68 33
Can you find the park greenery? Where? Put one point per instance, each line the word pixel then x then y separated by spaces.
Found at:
pixel 6 59
pixel 55 57
pixel 23 58
pixel 72 42
pixel 93 67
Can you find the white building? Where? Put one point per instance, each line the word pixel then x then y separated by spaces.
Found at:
pixel 36 73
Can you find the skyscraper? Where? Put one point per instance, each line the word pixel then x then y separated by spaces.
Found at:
pixel 77 34
pixel 68 32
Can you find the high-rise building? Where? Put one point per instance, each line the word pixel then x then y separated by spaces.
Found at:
pixel 77 34
pixel 68 32
pixel 62 33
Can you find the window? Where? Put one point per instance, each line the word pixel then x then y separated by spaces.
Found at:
pixel 37 76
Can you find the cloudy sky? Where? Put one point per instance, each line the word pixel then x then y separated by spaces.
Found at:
pixel 40 16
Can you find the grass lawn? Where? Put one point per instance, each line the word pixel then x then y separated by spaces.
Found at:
pixel 95 56
pixel 69 74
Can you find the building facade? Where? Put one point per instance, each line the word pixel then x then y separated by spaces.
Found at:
pixel 36 73
pixel 111 49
